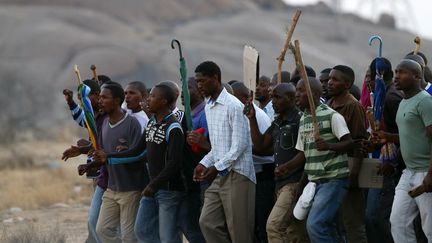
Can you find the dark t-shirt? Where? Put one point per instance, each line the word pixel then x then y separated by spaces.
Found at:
pixel 354 115
pixel 391 104
pixel 161 146
pixel 127 132
pixel 165 142
pixel 102 179
pixel 284 134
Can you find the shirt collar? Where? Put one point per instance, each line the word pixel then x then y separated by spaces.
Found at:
pixel 176 109
pixel 153 118
pixel 291 116
pixel 268 106
pixel 221 99
pixel 318 109
pixel 331 100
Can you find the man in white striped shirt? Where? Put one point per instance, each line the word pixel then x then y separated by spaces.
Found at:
pixel 228 211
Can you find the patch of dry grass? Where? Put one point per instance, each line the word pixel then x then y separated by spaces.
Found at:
pixel 39 187
pixel 31 234
pixel 42 181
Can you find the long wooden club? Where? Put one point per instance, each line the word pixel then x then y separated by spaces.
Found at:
pixel 95 76
pixel 281 57
pixel 302 69
pixel 417 42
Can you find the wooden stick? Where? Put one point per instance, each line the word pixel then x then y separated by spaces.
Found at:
pixel 77 72
pixel 281 57
pixel 95 76
pixel 371 119
pixel 302 70
pixel 417 191
pixel 417 45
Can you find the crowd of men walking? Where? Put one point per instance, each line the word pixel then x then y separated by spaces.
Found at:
pixel 238 174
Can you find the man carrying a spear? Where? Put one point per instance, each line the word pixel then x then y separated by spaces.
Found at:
pixel 281 137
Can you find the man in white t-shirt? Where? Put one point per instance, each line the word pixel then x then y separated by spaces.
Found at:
pixel 135 93
pixel 262 95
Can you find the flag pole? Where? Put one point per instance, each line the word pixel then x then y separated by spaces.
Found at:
pixel 77 72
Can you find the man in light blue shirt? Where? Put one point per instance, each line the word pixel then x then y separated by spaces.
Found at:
pixel 228 211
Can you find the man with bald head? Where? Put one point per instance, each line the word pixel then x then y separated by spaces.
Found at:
pixel 325 161
pixel 280 139
pixel 262 95
pixel 354 206
pixel 414 121
pixel 424 84
pixel 263 163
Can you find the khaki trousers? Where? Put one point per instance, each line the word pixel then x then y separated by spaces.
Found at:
pixel 118 208
pixel 281 225
pixel 228 212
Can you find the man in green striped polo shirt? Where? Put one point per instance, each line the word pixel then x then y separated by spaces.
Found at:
pixel 325 161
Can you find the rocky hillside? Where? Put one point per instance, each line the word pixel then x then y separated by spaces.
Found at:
pixel 130 40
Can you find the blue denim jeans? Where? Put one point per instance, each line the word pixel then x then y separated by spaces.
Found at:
pixel 147 221
pixel 322 219
pixel 169 208
pixel 378 209
pixel 188 219
pixel 93 214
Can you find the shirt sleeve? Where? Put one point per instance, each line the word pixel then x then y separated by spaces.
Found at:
pixel 356 122
pixel 77 114
pixel 299 145
pixel 127 160
pixel 424 109
pixel 207 161
pixel 339 126
pixel 240 138
pixel 174 156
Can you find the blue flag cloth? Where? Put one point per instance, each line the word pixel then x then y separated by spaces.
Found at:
pixel 380 89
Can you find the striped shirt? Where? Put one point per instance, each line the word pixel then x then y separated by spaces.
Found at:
pixel 230 136
pixel 77 114
pixel 323 164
